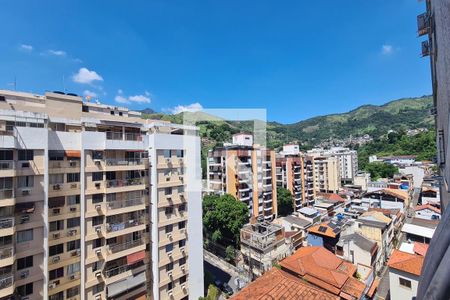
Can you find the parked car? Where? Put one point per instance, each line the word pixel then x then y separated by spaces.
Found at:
pixel 227 289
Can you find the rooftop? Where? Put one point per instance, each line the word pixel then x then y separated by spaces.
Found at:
pixel 375 216
pixel 428 206
pixel 297 221
pixel 331 196
pixel 418 230
pixel 406 262
pixel 361 241
pixel 308 211
pixel 276 284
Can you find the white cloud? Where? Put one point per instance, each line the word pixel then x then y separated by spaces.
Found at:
pixel 387 49
pixel 56 52
pixel 86 76
pixel 120 98
pixel 25 47
pixel 90 94
pixel 182 108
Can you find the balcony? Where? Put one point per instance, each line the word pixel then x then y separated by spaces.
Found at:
pixel 124 161
pixel 6 226
pixel 114 248
pixel 6 165
pixel 120 136
pixel 117 204
pixel 118 226
pixel 6 255
pixel 115 183
pixel 6 284
pixel 114 271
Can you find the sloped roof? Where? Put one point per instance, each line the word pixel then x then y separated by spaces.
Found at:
pixel 420 248
pixel 324 229
pixel 406 262
pixel 324 269
pixel 277 284
pixel 297 221
pixel 332 197
pixel 428 206
pixel 376 216
pixel 361 241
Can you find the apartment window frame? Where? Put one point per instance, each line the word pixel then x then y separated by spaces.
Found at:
pixel 56 155
pixel 56 225
pixel 25 290
pixel 25 155
pixel 169 267
pixel 97 176
pixel 73 200
pixel 169 228
pixel 97 220
pixel 73 222
pixel 182 243
pixel 169 247
pixel 56 273
pixel 73 291
pixel 97 198
pixel 167 153
pixel 26 181
pixel 56 249
pixel 24 236
pixel 73 245
pixel 25 262
pixel 181 224
pixel 168 210
pixel 404 282
pixel 6 154
pixel 73 177
pixel 56 178
pixel 73 268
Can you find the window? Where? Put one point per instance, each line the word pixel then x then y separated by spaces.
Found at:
pixel 183 279
pixel 97 243
pixel 58 296
pixel 180 153
pixel 56 225
pixel 169 210
pixel 6 183
pixel 169 248
pixel 169 267
pixel 25 181
pixel 169 228
pixel 25 290
pixel 56 202
pixel 98 288
pixel 167 154
pixel 73 222
pixel 182 261
pixel 57 126
pixel 404 282
pixel 111 197
pixel 72 292
pixel 73 200
pixel 96 266
pixel 97 198
pixel 168 191
pixel 6 155
pixel 97 154
pixel 56 249
pixel 97 176
pixel 73 245
pixel 73 177
pixel 73 268
pixel 170 286
pixel 26 154
pixel 57 273
pixel 26 262
pixel 55 155
pixel 182 207
pixel 182 243
pixel 97 220
pixel 25 236
pixel 56 178
pixel 181 224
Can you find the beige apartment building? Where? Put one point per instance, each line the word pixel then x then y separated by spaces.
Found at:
pixel 247 172
pixel 327 177
pixel 96 202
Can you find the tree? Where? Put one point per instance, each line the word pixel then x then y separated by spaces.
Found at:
pixel 223 218
pixel 230 253
pixel 285 202
pixel 381 170
pixel 213 293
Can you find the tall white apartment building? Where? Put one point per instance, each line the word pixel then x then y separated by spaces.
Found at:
pixel 96 202
pixel 348 160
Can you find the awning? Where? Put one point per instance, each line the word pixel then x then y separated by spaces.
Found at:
pixel 373 288
pixel 135 257
pixel 125 285
pixel 73 153
pixel 25 208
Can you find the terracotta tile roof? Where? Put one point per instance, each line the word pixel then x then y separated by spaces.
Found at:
pixel 325 270
pixel 386 211
pixel 373 288
pixel 420 248
pixel 406 262
pixel 326 230
pixel 428 206
pixel 376 216
pixel 331 196
pixel 277 284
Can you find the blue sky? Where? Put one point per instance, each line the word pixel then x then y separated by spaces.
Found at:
pixel 297 59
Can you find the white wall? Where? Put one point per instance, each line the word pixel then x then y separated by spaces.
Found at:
pixel 399 292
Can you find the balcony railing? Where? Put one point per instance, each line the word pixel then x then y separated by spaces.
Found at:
pixel 6 252
pixel 117 226
pixel 6 164
pixel 124 182
pixel 6 280
pixel 124 203
pixel 6 193
pixel 124 161
pixel 118 270
pixel 110 135
pixel 6 223
pixel 124 246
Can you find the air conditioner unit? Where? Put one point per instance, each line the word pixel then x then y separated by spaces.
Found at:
pixel 98 297
pixel 169 273
pixel 76 252
pixel 24 219
pixel 98 252
pixel 170 293
pixel 182 249
pixel 183 269
pixel 98 274
pixel 73 276
pixel 56 187
pixel 26 192
pixel 169 236
pixel 98 207
pixel 97 185
pixel 56 259
pixel 56 211
pixel 182 230
pixel 169 254
pixel 72 232
pixel 98 229
pixel 73 209
pixel 73 186
pixel 52 285
pixel 169 197
pixel 56 235
pixel 168 160
pixel 183 287
pixel 24 274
